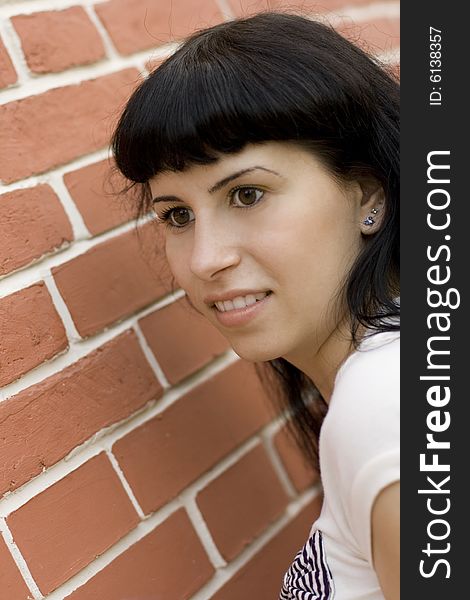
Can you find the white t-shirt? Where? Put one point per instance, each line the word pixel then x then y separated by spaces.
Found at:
pixel 359 456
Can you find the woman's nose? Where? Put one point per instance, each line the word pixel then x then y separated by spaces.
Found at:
pixel 213 250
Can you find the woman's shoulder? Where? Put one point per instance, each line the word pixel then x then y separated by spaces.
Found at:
pixel 373 367
pixel 364 408
pixel 360 436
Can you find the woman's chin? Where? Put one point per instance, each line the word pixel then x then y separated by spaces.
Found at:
pixel 254 354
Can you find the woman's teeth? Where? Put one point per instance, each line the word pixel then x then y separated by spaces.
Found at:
pixel 240 302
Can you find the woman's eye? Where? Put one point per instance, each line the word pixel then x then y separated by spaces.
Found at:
pixel 177 217
pixel 247 196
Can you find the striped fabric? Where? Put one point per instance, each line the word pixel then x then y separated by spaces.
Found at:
pixel 309 577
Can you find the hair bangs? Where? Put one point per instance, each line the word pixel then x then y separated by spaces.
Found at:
pixel 208 99
pixel 185 114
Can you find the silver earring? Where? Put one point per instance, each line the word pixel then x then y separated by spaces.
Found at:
pixel 370 220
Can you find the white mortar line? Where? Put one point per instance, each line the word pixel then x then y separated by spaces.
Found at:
pixel 13 7
pixel 221 467
pixel 219 364
pixel 109 47
pixel 125 485
pixel 188 496
pixel 222 576
pixel 29 274
pixel 267 435
pixel 61 170
pixel 204 534
pixel 57 250
pixel 187 500
pixel 359 14
pixel 80 349
pixel 62 309
pixel 81 73
pixel 36 85
pixel 20 561
pixel 80 230
pixel 149 355
pixel 103 440
pixel 225 9
pixel 103 560
pixel 12 43
pixel 8 8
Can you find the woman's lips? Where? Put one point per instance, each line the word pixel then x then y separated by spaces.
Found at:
pixel 240 301
pixel 240 316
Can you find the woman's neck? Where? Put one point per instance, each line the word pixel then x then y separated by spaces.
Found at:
pixel 322 365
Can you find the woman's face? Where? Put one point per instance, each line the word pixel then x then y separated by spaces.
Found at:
pixel 261 241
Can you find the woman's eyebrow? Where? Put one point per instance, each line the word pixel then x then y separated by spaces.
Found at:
pixel 220 184
pixel 229 178
pixel 166 199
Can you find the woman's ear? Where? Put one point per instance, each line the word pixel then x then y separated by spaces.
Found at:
pixel 372 206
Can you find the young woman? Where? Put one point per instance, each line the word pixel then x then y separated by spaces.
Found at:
pixel 268 148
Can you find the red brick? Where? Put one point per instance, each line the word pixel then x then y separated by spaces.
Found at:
pixel 169 452
pixel 333 5
pixel 11 582
pixel 242 502
pixel 31 332
pixel 112 280
pixel 56 40
pixel 32 223
pixel 60 413
pixel 262 576
pixel 303 7
pixel 139 24
pixel 50 129
pixel 7 70
pixel 301 473
pixel 244 8
pixel 95 190
pixel 380 35
pixel 169 563
pixel 376 36
pixel 181 339
pixel 62 529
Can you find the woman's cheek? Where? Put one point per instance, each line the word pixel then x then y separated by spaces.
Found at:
pixel 175 255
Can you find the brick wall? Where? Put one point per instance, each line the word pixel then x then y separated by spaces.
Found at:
pixel 139 457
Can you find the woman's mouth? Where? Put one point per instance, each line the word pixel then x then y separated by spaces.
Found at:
pixel 241 309
pixel 240 301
